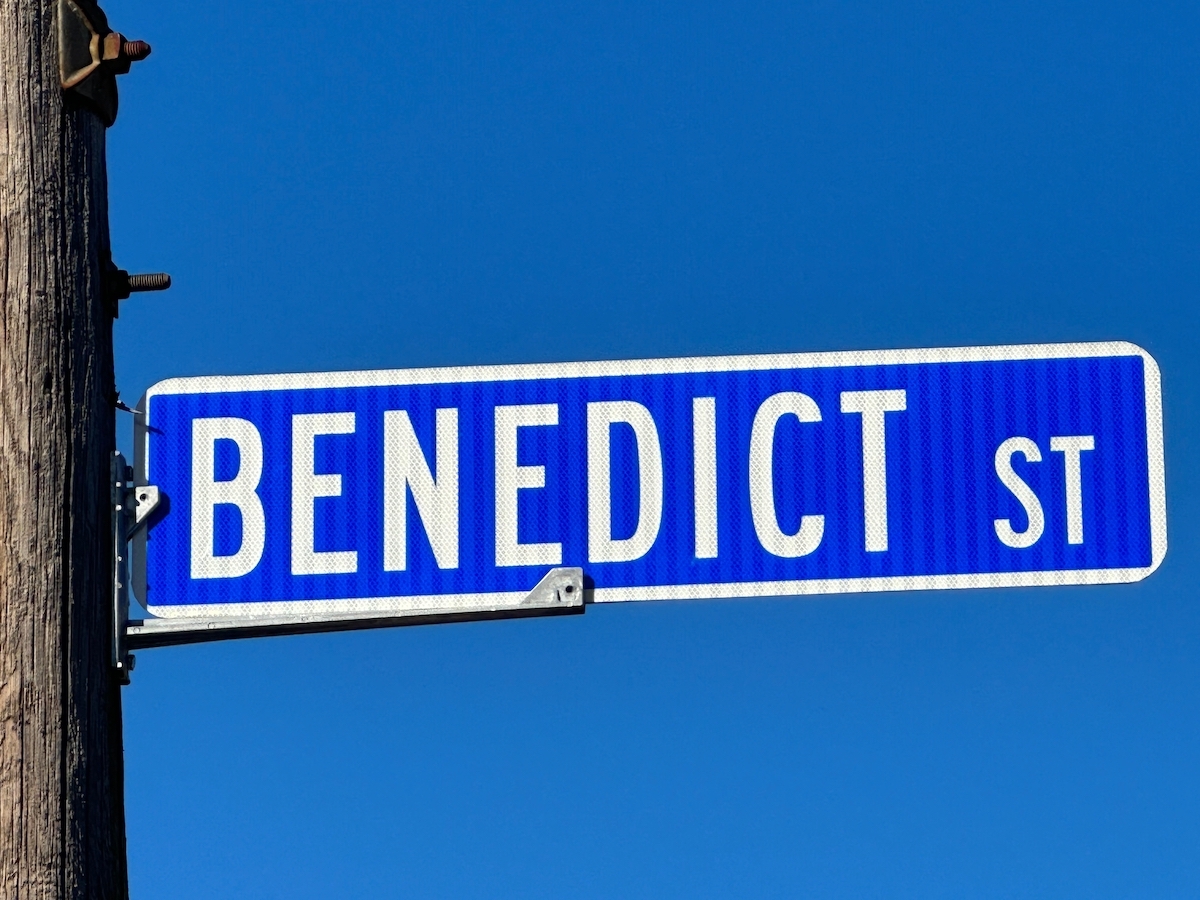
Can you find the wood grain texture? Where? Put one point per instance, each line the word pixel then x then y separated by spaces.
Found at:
pixel 62 831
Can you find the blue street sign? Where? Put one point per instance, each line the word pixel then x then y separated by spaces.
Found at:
pixel 344 493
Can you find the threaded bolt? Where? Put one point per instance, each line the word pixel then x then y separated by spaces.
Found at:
pixel 135 50
pixel 154 281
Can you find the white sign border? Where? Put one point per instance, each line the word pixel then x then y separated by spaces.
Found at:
pixel 212 384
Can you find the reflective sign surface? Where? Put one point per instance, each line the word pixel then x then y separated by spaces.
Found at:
pixel 682 478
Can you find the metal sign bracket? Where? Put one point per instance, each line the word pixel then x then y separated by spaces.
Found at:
pixel 131 507
pixel 560 592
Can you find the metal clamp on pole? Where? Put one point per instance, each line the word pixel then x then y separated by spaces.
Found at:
pixel 131 509
pixel 91 56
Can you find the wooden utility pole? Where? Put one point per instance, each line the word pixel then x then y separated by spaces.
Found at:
pixel 62 820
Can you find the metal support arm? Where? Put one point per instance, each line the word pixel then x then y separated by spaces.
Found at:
pixel 560 592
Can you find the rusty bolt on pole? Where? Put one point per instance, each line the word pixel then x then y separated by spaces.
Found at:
pixel 119 54
pixel 154 281
pixel 136 51
pixel 119 284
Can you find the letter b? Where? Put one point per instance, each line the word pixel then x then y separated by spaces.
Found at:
pixel 241 491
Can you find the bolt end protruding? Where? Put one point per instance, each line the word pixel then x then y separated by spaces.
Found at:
pixel 135 50
pixel 154 281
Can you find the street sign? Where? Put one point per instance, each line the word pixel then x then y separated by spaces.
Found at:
pixel 304 499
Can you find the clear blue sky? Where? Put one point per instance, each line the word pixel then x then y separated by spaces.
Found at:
pixel 368 185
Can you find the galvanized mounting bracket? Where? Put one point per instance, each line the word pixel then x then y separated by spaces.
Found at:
pixel 560 592
pixel 131 507
pixel 558 586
